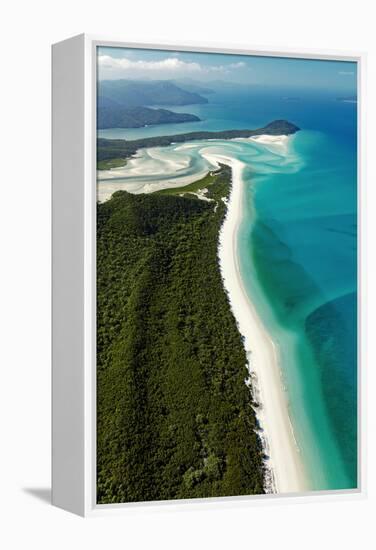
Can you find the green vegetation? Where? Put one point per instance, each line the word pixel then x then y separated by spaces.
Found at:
pixel 114 148
pixel 203 183
pixel 116 116
pixel 174 415
pixel 111 163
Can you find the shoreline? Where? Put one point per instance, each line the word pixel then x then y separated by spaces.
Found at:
pixel 276 144
pixel 285 470
pixel 145 179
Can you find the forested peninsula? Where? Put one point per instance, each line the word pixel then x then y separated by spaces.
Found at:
pixel 175 418
pixel 109 149
pixel 137 117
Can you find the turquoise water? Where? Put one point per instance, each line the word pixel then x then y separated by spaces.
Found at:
pixel 298 257
pixel 297 248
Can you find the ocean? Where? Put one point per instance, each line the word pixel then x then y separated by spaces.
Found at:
pixel 297 248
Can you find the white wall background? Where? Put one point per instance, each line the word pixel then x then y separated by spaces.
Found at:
pixel 28 29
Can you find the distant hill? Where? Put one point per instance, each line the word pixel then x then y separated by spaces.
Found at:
pixel 105 102
pixel 134 93
pixel 116 116
pixel 194 86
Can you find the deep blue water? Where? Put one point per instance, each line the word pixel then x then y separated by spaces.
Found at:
pixel 243 108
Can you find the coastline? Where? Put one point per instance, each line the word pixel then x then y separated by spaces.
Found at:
pixel 185 393
pixel 147 165
pixel 276 144
pixel 147 168
pixel 285 472
pixel 284 465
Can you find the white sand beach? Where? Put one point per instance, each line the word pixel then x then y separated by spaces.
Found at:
pixel 106 188
pixel 276 144
pixel 156 168
pixel 150 170
pixel 287 470
pixel 271 140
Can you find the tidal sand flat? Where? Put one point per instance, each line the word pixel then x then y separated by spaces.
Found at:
pixel 150 170
pixel 278 144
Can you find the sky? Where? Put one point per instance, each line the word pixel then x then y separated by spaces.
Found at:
pixel 141 64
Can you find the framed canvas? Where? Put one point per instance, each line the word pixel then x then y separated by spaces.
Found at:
pixel 206 275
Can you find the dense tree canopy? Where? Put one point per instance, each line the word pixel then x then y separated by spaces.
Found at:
pixel 174 415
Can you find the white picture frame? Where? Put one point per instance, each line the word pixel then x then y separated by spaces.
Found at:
pixel 74 277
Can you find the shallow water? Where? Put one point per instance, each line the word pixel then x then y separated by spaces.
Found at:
pixel 298 256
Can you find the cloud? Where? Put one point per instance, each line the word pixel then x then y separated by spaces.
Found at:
pixel 171 65
pixel 238 65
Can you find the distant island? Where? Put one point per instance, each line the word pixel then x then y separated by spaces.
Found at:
pixel 116 116
pixel 132 93
pixel 191 85
pixel 126 103
pixel 110 149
